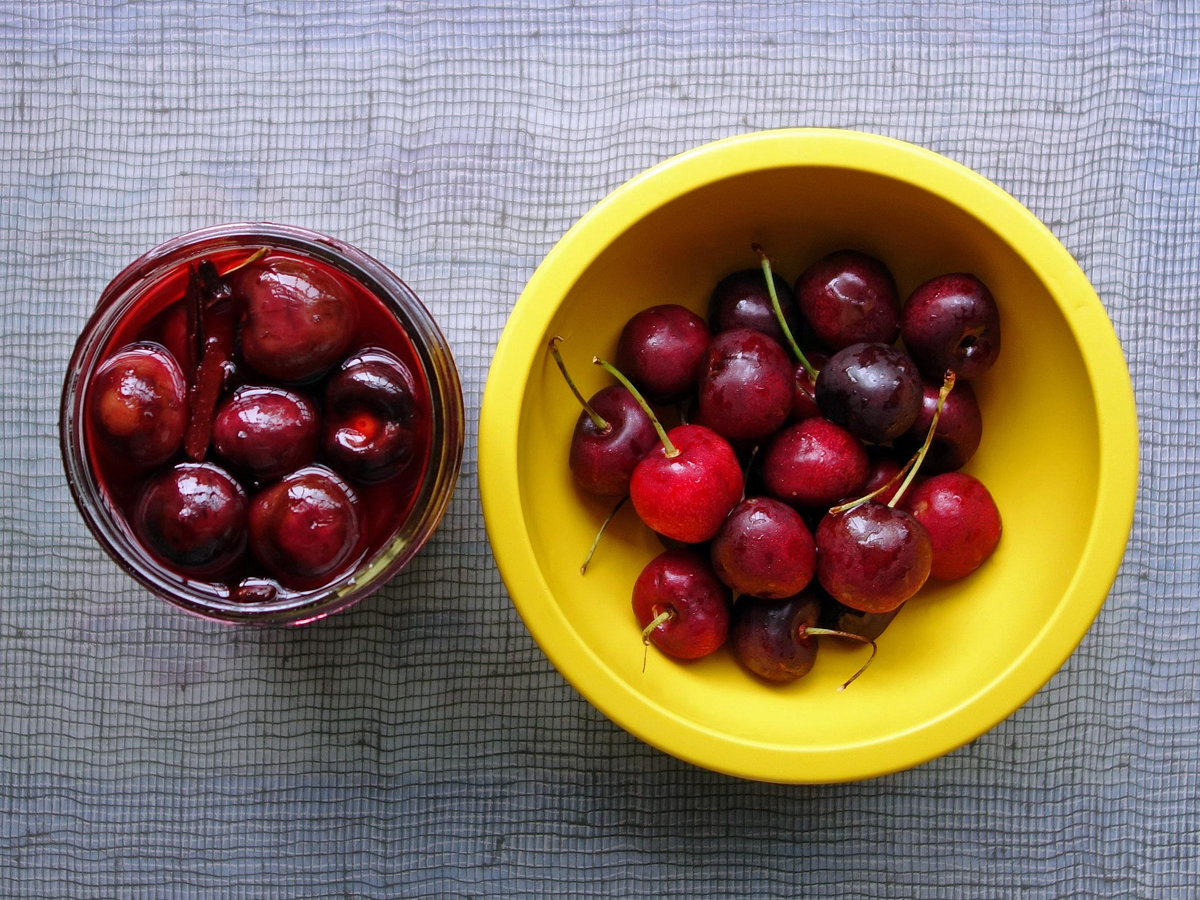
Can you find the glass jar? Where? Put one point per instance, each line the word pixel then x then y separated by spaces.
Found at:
pixel 134 286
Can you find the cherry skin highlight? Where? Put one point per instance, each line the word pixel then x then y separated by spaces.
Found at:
pixel 770 637
pixel 872 557
pixel 871 390
pixel 741 300
pixel 962 520
pixel 297 320
pixel 266 431
pixel 687 496
pixel 371 416
pixel 138 404
pixel 764 549
pixel 848 298
pixel 951 323
pixel 193 516
pixel 680 588
pixel 814 463
pixel 747 386
pixel 959 429
pixel 305 527
pixel 661 350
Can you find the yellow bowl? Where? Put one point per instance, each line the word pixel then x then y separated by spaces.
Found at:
pixel 1059 454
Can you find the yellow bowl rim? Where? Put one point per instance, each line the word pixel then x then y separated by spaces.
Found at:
pixel 522 344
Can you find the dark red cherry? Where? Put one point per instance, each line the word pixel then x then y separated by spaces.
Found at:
pixel 266 431
pixel 741 300
pixel 871 390
pixel 370 416
pixel 305 527
pixel 764 549
pixel 297 319
pixel 872 557
pixel 661 350
pixel 686 491
pixel 849 298
pixel 602 459
pixel 747 387
pixel 680 596
pixel 959 429
pixel 951 323
pixel 193 517
pixel 138 405
pixel 961 518
pixel 814 463
pixel 770 637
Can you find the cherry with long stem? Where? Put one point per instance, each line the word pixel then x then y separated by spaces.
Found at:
pixel 858 638
pixel 787 331
pixel 598 420
pixel 592 552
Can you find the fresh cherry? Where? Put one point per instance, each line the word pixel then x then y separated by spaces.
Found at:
pixel 661 350
pixel 297 320
pixel 770 637
pixel 306 526
pixel 747 386
pixel 681 605
pixel 685 488
pixel 370 416
pixel 774 638
pixel 872 557
pixel 871 390
pixel 814 463
pixel 612 435
pixel 849 298
pixel 764 549
pixel 958 433
pixel 266 431
pixel 138 404
pixel 951 323
pixel 741 300
pixel 962 520
pixel 194 517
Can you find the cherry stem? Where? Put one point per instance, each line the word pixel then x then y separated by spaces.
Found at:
pixel 598 420
pixel 616 509
pixel 249 260
pixel 672 450
pixel 829 632
pixel 947 387
pixel 663 616
pixel 787 332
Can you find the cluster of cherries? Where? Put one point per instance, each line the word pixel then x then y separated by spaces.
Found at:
pixel 786 488
pixel 256 366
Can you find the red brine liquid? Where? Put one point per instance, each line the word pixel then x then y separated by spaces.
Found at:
pixel 260 423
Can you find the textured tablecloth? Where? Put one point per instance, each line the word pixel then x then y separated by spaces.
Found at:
pixel 422 746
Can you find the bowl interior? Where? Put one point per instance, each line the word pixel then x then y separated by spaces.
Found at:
pixel 1039 457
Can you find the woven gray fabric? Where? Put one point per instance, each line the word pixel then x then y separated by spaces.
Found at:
pixel 421 745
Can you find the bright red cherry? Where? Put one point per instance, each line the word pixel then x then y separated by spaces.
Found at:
pixel 962 520
pixel 681 605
